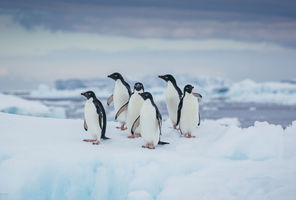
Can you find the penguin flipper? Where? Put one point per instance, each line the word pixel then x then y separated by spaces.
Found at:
pixel 135 125
pixel 110 99
pixel 198 119
pixel 123 108
pixel 85 126
pixel 179 111
pixel 197 95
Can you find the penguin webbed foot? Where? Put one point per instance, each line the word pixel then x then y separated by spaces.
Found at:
pixel 96 143
pixel 188 135
pixel 131 136
pixel 175 127
pixel 121 127
pixel 149 146
pixel 89 140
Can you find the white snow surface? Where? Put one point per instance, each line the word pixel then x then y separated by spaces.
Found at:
pixel 16 105
pixel 44 158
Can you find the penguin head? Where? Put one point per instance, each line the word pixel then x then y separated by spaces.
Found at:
pixel 115 76
pixel 138 87
pixel 146 95
pixel 88 94
pixel 188 88
pixel 167 77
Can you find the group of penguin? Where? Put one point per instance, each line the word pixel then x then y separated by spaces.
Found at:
pixel 137 111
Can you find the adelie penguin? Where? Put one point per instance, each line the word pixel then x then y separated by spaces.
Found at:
pixel 150 120
pixel 120 97
pixel 95 118
pixel 173 95
pixel 188 112
pixel 134 110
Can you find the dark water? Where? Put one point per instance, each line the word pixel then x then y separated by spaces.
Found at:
pixel 247 113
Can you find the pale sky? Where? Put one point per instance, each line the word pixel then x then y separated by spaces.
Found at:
pixel 43 41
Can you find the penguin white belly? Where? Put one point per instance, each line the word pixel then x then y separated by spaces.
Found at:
pixel 189 114
pixel 172 102
pixel 120 97
pixel 149 125
pixel 134 110
pixel 92 119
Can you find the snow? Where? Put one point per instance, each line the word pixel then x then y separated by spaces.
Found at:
pixel 15 105
pixel 45 158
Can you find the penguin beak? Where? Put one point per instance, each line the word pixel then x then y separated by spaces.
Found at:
pixel 162 77
pixel 83 93
pixel 109 76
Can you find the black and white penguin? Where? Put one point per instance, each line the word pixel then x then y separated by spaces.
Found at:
pixel 151 121
pixel 188 112
pixel 120 97
pixel 134 109
pixel 173 95
pixel 95 118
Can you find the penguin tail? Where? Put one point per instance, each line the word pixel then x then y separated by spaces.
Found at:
pixel 162 143
pixel 105 138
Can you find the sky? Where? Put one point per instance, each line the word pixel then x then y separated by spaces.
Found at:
pixel 42 41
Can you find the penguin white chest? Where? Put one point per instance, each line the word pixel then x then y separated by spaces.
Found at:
pixel 149 125
pixel 189 114
pixel 172 102
pixel 92 119
pixel 134 110
pixel 120 97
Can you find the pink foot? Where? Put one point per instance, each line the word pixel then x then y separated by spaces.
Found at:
pixel 121 127
pixel 145 146
pixel 131 136
pixel 96 143
pixel 188 135
pixel 175 127
pixel 88 140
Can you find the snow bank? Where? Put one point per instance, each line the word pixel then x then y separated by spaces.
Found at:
pixel 43 158
pixel 15 105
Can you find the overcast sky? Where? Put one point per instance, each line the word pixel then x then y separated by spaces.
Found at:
pixel 42 41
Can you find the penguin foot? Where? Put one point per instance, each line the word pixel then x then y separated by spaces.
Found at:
pixel 188 135
pixel 131 136
pixel 88 140
pixel 145 146
pixel 121 127
pixel 96 143
pixel 151 147
pixel 175 127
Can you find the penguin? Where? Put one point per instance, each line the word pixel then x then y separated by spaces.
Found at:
pixel 134 109
pixel 121 95
pixel 188 112
pixel 151 121
pixel 173 95
pixel 95 118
